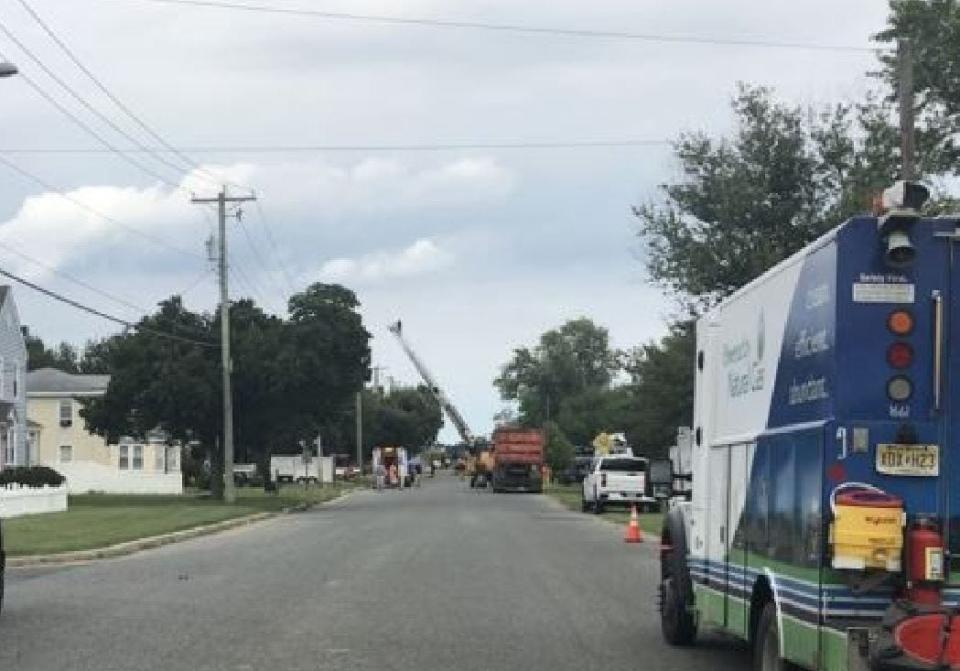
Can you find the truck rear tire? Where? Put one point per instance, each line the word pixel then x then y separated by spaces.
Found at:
pixel 767 647
pixel 676 588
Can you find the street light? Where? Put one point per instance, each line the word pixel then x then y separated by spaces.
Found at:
pixel 7 69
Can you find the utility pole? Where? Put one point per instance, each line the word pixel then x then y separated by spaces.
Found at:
pixel 359 414
pixel 221 199
pixel 905 93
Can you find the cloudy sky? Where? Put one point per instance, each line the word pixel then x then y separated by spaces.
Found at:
pixel 478 251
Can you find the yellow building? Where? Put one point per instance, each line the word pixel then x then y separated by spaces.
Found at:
pixel 57 436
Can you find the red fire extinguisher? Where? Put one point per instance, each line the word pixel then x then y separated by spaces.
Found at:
pixel 925 572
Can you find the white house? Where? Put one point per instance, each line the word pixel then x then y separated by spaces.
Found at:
pixel 59 438
pixel 13 365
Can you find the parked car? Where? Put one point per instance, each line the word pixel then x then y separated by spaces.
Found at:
pixel 616 479
pixel 575 472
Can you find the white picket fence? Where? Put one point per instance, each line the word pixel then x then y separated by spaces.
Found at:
pixel 16 500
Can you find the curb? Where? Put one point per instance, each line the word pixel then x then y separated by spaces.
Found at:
pixel 151 542
pixel 130 547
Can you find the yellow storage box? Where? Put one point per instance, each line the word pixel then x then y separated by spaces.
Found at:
pixel 867 531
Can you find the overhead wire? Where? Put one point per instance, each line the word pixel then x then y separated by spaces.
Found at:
pixel 103 315
pixel 76 280
pixel 278 259
pixel 84 126
pixel 259 259
pixel 515 28
pixel 102 87
pixel 187 161
pixel 83 101
pixel 402 147
pixel 23 172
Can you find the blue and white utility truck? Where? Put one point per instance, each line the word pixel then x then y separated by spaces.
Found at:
pixel 823 521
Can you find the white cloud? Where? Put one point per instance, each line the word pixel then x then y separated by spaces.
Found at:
pixel 423 256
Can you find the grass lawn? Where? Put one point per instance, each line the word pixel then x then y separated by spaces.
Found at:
pixel 99 520
pixel 569 495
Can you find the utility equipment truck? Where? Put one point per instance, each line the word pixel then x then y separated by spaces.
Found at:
pixel 823 524
pixel 518 459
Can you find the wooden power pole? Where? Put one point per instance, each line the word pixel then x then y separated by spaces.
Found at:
pixel 908 150
pixel 221 199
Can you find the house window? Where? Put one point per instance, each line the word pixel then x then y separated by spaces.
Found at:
pixel 66 412
pixel 9 451
pixel 66 454
pixel 138 457
pixel 158 462
pixel 124 457
pixel 16 381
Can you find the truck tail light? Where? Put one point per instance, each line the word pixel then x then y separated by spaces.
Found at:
pixel 900 355
pixel 899 388
pixel 900 322
pixel 603 479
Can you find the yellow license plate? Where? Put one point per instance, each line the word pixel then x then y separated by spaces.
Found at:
pixel 916 460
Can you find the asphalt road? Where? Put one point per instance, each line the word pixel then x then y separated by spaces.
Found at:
pixel 437 578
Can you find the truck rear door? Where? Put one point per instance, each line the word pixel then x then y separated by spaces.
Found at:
pixel 624 474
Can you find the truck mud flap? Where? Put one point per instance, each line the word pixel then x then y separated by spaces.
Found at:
pixel 917 638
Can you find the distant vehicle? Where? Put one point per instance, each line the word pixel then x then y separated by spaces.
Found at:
pixel 244 474
pixel 392 459
pixel 518 459
pixel 616 480
pixel 576 471
pixel 479 467
pixel 294 468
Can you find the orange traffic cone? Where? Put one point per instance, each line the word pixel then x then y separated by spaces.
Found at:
pixel 633 534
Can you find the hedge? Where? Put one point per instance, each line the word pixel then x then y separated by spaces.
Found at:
pixel 31 476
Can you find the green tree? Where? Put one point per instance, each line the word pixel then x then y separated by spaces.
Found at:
pixel 786 176
pixel 661 390
pixel 933 27
pixel 290 378
pixel 64 357
pixel 567 361
pixel 559 451
pixel 406 417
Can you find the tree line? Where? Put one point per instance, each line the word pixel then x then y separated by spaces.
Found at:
pixel 741 203
pixel 294 379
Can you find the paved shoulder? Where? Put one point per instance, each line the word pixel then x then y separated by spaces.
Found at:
pixel 438 577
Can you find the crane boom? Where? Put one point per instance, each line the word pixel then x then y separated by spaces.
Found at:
pixel 458 421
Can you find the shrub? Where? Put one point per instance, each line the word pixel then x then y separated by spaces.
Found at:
pixel 31 476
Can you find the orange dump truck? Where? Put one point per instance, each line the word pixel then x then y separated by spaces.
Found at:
pixel 518 459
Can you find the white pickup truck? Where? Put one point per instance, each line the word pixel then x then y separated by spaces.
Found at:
pixel 616 479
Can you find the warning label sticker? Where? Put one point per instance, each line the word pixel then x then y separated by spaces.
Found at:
pixel 869 292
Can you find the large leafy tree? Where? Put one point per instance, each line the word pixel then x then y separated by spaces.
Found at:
pixel 661 390
pixel 407 416
pixel 933 28
pixel 567 361
pixel 290 377
pixel 743 203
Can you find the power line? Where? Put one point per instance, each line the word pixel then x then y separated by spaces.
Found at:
pixel 517 28
pixel 76 280
pixel 187 161
pixel 89 130
pixel 86 285
pixel 291 285
pixel 103 315
pixel 259 259
pixel 194 283
pixel 79 203
pixel 83 101
pixel 310 148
